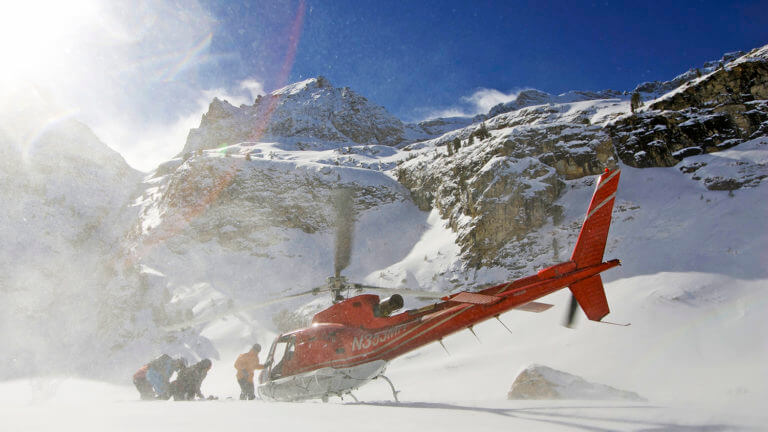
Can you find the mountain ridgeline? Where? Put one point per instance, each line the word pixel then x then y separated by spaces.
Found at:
pixel 245 211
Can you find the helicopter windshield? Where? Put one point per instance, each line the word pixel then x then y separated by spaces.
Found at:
pixel 281 353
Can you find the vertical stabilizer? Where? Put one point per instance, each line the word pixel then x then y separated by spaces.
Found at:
pixel 590 295
pixel 594 232
pixel 590 246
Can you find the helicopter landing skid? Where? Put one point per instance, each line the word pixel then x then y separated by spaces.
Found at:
pixel 394 392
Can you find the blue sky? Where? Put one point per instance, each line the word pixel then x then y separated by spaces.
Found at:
pixel 417 56
pixel 142 72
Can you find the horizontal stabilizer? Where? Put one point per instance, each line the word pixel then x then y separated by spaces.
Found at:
pixel 534 307
pixel 475 298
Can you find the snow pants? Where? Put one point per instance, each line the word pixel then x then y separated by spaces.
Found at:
pixel 246 389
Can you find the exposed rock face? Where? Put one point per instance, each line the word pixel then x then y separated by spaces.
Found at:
pixel 541 382
pixel 311 110
pixel 730 170
pixel 498 189
pixel 244 202
pixel 715 112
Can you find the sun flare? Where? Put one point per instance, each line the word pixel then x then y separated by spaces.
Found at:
pixel 42 34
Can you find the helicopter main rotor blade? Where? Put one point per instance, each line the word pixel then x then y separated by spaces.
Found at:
pixel 250 306
pixel 402 291
pixel 343 203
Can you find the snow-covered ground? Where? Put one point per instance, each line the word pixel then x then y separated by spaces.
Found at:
pixel 693 285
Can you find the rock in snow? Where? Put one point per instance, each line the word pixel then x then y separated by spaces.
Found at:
pixel 542 382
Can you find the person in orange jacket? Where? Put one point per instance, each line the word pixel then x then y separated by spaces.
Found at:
pixel 245 364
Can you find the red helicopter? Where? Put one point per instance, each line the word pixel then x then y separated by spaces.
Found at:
pixel 350 343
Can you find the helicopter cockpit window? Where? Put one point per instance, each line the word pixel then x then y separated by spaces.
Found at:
pixel 284 349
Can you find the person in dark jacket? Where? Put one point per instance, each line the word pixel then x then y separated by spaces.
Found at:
pixel 152 379
pixel 189 380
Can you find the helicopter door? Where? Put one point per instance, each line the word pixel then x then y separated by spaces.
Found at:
pixel 282 353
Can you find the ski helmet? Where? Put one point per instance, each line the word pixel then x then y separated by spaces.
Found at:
pixel 256 348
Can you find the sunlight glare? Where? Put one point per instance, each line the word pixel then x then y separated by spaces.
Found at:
pixel 41 34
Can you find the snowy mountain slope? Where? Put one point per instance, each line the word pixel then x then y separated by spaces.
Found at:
pixel 63 206
pixel 532 97
pixel 694 348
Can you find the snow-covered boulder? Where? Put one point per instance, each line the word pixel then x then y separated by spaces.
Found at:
pixel 542 382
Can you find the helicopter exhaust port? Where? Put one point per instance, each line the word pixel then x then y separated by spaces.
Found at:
pixel 388 305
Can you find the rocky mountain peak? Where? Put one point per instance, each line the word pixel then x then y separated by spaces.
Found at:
pixel 308 85
pixel 313 111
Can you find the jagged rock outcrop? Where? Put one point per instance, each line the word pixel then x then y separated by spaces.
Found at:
pixel 657 88
pixel 311 112
pixel 712 113
pixel 496 190
pixel 542 382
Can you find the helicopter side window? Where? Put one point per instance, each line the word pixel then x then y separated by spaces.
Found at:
pixel 284 349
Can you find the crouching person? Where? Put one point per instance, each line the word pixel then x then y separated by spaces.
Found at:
pixel 189 380
pixel 142 385
pixel 159 373
pixel 156 374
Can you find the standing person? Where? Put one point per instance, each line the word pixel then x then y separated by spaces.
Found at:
pixel 245 364
pixel 189 380
pixel 159 372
